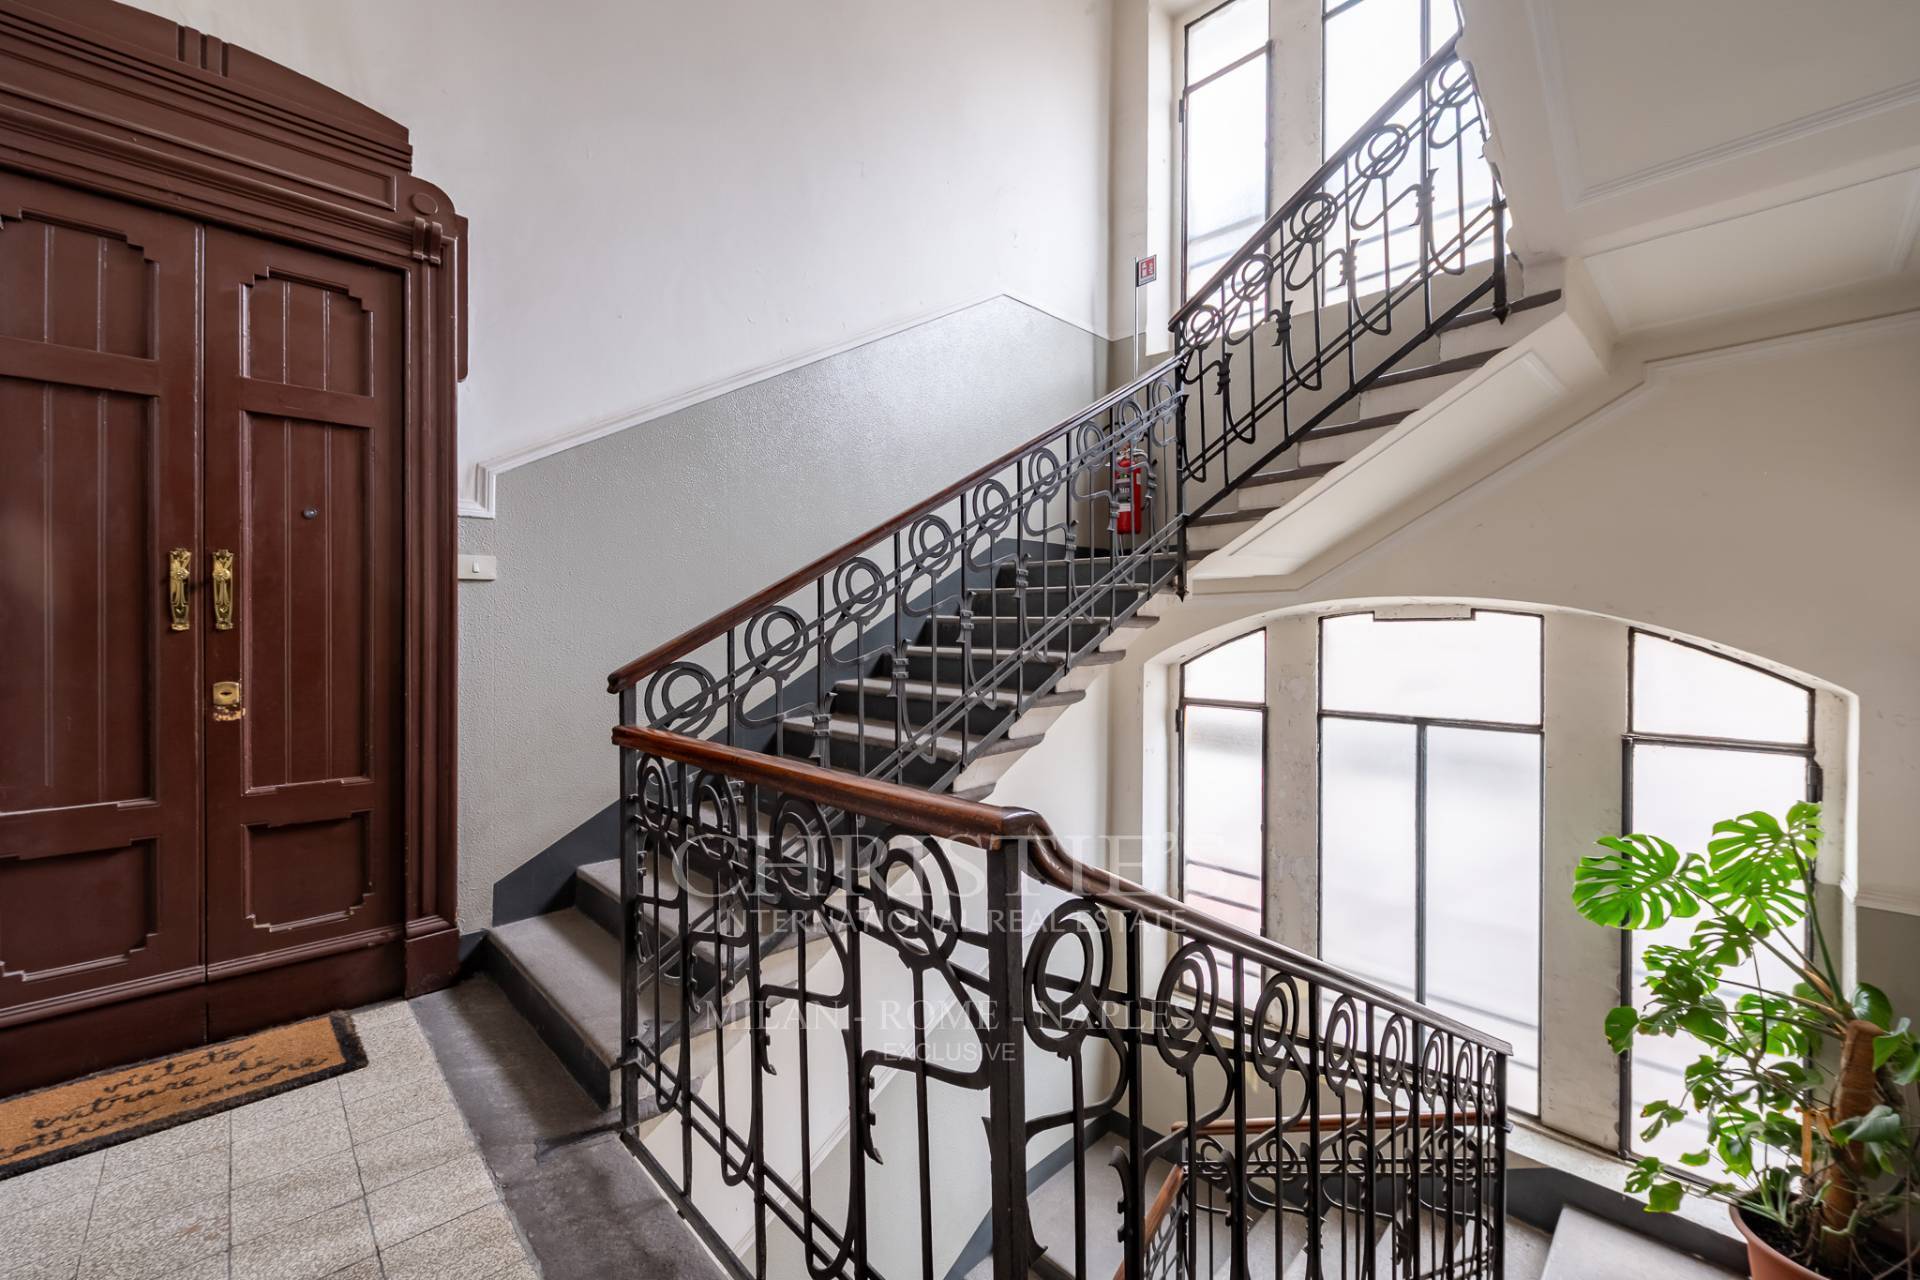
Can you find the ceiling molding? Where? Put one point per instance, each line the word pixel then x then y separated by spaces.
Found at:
pixel 1566 159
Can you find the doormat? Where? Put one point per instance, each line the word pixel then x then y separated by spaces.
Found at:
pixel 118 1105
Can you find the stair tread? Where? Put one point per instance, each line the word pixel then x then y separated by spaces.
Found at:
pixel 575 964
pixel 926 689
pixel 1586 1247
pixel 883 733
pixel 1226 517
pixel 1377 422
pixel 1436 369
pixel 1467 319
pixel 1096 658
pixel 1311 471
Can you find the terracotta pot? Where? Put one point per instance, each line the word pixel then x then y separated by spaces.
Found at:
pixel 1763 1260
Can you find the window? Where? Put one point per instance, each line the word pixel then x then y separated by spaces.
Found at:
pixel 1223 136
pixel 1430 748
pixel 1223 733
pixel 1708 738
pixel 1369 48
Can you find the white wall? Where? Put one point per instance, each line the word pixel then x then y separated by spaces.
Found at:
pixel 666 196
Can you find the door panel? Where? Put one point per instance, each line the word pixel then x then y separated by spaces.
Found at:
pixel 100 867
pixel 304 417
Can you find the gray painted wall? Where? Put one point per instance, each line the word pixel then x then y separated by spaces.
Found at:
pixel 609 548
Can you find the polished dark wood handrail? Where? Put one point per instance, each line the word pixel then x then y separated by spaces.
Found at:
pixel 718 625
pixel 936 814
pixel 991 826
pixel 1311 187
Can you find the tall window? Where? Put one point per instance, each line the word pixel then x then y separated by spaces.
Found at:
pixel 1708 738
pixel 1430 817
pixel 1369 49
pixel 1223 732
pixel 1223 136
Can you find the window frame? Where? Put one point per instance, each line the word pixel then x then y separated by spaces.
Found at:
pixel 1187 88
pixel 1181 703
pixel 1420 725
pixel 1632 738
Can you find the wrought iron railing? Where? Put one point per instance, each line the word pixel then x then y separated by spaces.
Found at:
pixel 957 997
pixel 915 648
pixel 868 1009
pixel 1400 232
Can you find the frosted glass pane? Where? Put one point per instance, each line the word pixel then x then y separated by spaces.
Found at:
pixel 1680 689
pixel 1221 812
pixel 1228 33
pixel 1367 851
pixel 1678 794
pixel 1371 50
pixel 1234 672
pixel 1227 158
pixel 1483 890
pixel 1482 668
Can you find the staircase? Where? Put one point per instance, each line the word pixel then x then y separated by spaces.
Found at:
pixel 821 968
pixel 1578 1246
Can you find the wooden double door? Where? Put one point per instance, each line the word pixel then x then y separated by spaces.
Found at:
pixel 201 610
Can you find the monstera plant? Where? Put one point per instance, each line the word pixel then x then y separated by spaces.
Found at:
pixel 1807 1089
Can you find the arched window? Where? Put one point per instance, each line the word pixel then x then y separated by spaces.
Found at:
pixel 1708 738
pixel 1430 816
pixel 1223 732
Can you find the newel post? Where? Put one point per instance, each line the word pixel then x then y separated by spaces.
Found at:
pixel 1006 1078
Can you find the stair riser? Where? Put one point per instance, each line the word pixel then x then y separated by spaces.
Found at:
pixel 951 668
pixel 1211 537
pixel 1258 499
pixel 1409 397
pixel 986 769
pixel 1007 633
pixel 1337 448
pixel 582 1062
pixel 864 757
pixel 1005 602
pixel 1082 575
pixel 883 709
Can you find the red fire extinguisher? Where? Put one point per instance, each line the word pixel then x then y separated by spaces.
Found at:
pixel 1132 490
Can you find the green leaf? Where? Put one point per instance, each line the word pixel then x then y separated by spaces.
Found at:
pixel 1641 884
pixel 1871 1003
pixel 1882 1124
pixel 1621 1024
pixel 1664 1197
pixel 1721 941
pixel 1696 1159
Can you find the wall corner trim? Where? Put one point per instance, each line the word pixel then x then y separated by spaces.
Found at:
pixel 480 500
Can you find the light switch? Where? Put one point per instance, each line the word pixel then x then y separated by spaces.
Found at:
pixel 478 568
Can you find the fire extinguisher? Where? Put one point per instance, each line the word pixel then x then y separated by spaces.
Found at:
pixel 1132 490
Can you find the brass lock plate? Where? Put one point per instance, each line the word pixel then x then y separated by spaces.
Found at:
pixel 226 700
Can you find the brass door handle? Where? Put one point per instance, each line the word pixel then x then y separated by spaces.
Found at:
pixel 179 608
pixel 223 591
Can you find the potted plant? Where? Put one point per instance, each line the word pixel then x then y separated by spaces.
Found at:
pixel 1807 1090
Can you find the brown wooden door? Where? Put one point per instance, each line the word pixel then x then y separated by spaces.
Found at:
pixel 303 482
pixel 100 692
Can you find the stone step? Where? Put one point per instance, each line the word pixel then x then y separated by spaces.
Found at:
pixel 1586 1247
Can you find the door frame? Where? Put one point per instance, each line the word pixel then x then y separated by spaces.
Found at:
pixel 124 103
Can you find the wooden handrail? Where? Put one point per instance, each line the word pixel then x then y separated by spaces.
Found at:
pixel 938 815
pixel 720 623
pixel 991 826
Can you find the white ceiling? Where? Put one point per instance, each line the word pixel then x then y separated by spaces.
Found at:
pixel 1706 155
